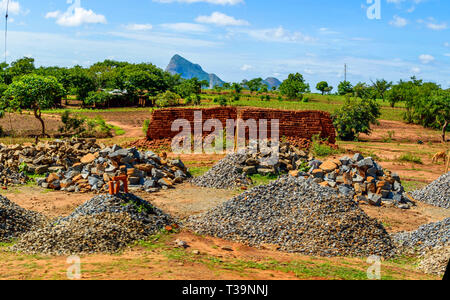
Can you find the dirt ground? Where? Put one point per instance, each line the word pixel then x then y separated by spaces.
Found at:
pixel 26 124
pixel 160 260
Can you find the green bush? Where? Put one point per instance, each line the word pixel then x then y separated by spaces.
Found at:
pixel 355 117
pixel 167 99
pixel 145 126
pixel 97 98
pixel 74 126
pixel 222 100
pixel 411 158
pixel 320 148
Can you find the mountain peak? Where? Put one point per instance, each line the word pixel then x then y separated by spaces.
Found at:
pixel 189 70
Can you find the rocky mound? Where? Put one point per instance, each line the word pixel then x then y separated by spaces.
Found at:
pixel 224 175
pixel 82 165
pixel 427 236
pixel 437 193
pixel 15 220
pixel 296 215
pixel 104 224
pixel 146 171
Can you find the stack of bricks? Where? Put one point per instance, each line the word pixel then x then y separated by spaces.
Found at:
pixel 293 124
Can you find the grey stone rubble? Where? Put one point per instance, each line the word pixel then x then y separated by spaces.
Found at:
pixel 15 220
pixel 427 236
pixel 224 175
pixel 41 158
pixel 431 242
pixel 296 215
pixel 437 193
pixel 84 166
pixel 435 261
pixel 361 178
pixel 105 224
pixel 260 161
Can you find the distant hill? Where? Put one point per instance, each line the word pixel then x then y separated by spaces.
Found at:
pixel 189 70
pixel 272 82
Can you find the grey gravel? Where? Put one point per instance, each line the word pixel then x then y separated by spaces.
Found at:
pixel 15 220
pixel 427 236
pixel 224 175
pixel 435 261
pixel 437 193
pixel 296 215
pixel 105 224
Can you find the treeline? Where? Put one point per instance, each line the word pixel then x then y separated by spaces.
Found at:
pixel 93 85
pixel 426 103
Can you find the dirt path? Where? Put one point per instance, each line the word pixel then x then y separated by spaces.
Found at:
pixel 130 130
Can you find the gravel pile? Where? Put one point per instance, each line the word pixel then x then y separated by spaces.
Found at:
pixel 105 224
pixel 435 261
pixel 15 220
pixel 296 215
pixel 358 177
pixel 224 175
pixel 427 236
pixel 437 193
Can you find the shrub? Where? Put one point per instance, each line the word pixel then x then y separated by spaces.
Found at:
pixel 355 117
pixel 320 148
pixel 222 100
pixel 167 99
pixel 409 157
pixel 72 125
pixel 145 126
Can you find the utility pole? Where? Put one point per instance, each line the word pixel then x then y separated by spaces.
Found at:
pixel 345 72
pixel 6 30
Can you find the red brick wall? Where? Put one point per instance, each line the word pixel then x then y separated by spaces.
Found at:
pixel 296 124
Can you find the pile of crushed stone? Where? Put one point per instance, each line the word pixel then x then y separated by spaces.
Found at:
pixel 296 215
pixel 224 175
pixel 104 224
pixel 15 220
pixel 427 236
pixel 437 193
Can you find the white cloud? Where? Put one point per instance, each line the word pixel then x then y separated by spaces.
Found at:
pixel 447 44
pixel 246 68
pixel 399 21
pixel 218 2
pixel 221 19
pixel 14 7
pixel 432 24
pixel 139 27
pixel 185 27
pixel 279 34
pixel 426 58
pixel 76 15
pixel 447 54
pixel 415 70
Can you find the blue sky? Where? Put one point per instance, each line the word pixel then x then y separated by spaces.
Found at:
pixel 238 39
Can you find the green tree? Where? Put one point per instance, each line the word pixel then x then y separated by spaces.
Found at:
pixel 33 92
pixel 322 86
pixel 255 85
pixel 237 88
pixel 345 87
pixel 81 82
pixel 294 87
pixel 355 117
pixel 21 67
pixel 167 99
pixel 382 86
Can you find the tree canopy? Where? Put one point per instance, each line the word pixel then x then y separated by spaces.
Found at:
pixel 294 87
